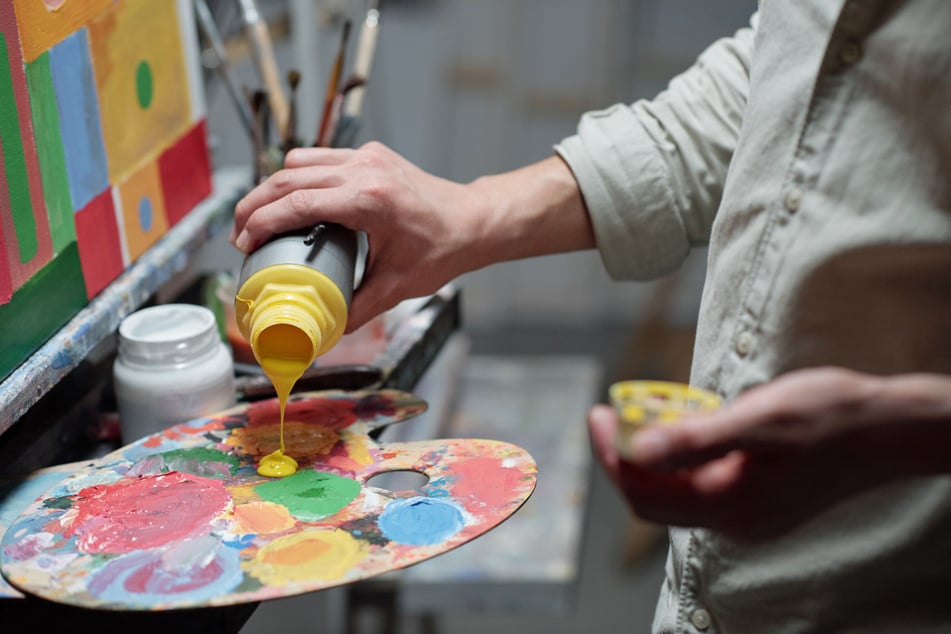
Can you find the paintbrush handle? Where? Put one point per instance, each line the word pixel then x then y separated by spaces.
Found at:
pixel 363 62
pixel 210 29
pixel 333 119
pixel 324 129
pixel 257 32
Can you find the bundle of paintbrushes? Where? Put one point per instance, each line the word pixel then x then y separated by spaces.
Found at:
pixel 270 115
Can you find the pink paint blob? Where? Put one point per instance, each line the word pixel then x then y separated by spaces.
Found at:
pixel 145 512
pixel 484 482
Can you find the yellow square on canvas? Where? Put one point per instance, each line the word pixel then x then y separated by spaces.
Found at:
pixel 139 63
pixel 141 207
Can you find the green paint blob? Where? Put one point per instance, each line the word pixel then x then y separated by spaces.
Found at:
pixel 64 502
pixel 143 84
pixel 310 495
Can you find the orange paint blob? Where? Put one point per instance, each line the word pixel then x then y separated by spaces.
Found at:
pixel 263 518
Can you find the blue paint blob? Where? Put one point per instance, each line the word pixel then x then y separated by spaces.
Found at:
pixel 420 521
pixel 145 213
pixel 61 359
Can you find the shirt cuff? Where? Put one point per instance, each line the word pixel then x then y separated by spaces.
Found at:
pixel 626 188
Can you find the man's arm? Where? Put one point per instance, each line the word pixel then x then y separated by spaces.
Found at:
pixel 652 172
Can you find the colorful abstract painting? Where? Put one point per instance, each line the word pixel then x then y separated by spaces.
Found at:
pixel 102 149
pixel 182 519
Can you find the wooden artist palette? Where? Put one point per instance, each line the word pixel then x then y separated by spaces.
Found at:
pixel 181 519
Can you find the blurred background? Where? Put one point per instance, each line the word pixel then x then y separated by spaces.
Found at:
pixel 463 89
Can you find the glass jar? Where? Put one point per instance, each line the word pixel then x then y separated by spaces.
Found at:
pixel 171 367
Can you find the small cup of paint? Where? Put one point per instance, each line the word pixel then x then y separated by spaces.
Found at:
pixel 642 403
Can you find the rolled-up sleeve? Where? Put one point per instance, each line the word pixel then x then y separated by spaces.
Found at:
pixel 652 172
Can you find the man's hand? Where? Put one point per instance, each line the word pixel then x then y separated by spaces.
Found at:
pixel 415 222
pixel 782 452
pixel 423 231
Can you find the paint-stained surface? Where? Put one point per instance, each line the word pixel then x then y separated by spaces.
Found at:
pixel 17 494
pixel 182 518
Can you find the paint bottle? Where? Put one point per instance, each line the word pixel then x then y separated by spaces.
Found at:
pixel 172 366
pixel 292 305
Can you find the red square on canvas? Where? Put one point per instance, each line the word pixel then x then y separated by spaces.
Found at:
pixel 97 236
pixel 185 171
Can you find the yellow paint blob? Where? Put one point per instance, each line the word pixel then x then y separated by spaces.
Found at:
pixel 320 554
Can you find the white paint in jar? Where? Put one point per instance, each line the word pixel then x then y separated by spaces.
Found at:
pixel 171 367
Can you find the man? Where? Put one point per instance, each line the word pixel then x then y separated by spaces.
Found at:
pixel 813 152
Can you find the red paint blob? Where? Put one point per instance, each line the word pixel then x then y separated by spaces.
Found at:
pixel 484 482
pixel 329 414
pixel 145 512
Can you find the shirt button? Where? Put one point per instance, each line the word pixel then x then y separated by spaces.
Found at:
pixel 700 619
pixel 744 343
pixel 851 52
pixel 792 200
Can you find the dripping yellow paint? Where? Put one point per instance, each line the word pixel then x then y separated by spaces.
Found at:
pixel 290 315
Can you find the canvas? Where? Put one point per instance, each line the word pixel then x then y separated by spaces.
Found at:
pixel 102 149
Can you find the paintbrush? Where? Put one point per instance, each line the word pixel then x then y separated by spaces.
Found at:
pixel 363 60
pixel 257 132
pixel 345 127
pixel 270 157
pixel 256 29
pixel 290 137
pixel 210 30
pixel 324 130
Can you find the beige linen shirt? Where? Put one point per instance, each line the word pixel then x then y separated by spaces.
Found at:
pixel 812 152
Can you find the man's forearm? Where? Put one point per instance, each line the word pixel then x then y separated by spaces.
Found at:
pixel 535 210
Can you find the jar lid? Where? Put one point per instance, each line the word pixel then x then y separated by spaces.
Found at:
pixel 168 334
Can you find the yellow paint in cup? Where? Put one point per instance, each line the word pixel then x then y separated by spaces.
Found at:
pixel 642 403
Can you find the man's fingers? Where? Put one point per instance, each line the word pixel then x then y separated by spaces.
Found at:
pixel 602 423
pixel 700 438
pixel 279 186
pixel 307 156
pixel 300 208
